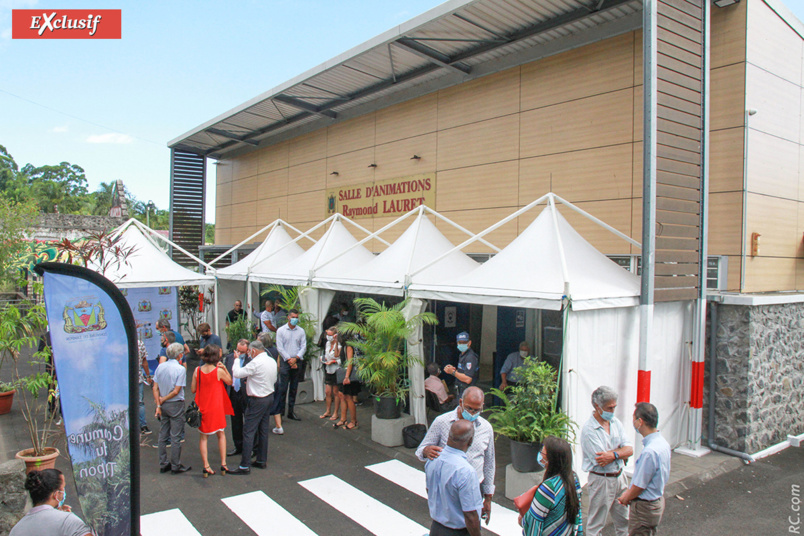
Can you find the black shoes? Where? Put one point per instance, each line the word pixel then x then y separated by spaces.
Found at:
pixel 164 469
pixel 234 452
pixel 181 469
pixel 240 471
pixel 293 417
pixel 259 465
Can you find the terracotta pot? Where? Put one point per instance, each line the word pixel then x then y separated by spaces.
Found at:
pixel 6 398
pixel 38 463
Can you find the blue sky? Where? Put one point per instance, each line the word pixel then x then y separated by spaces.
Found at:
pixel 111 106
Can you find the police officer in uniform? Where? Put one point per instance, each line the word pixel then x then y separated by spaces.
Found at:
pixel 466 372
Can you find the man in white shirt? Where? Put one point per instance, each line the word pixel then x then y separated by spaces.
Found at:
pixel 291 341
pixel 261 374
pixel 267 317
pixel 605 450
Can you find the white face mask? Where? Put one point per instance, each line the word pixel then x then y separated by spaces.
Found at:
pixel 523 354
pixel 330 337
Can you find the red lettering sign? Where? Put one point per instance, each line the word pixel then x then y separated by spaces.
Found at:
pixel 66 23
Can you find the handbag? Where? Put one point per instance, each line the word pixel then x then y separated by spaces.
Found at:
pixel 193 414
pixel 523 502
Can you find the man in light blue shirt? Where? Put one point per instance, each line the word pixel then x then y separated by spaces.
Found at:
pixel 291 341
pixel 453 491
pixel 169 383
pixel 645 496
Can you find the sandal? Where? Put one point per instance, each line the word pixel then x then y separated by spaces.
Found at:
pixel 325 415
pixel 351 426
pixel 338 424
pixel 333 418
pixel 207 471
pixel 224 470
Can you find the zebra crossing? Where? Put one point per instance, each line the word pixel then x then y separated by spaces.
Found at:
pixel 265 516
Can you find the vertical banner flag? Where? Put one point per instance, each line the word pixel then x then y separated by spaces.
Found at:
pixel 95 353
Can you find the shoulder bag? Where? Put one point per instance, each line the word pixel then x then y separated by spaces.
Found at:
pixel 192 416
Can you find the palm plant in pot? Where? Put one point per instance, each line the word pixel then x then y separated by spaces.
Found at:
pixel 530 413
pixel 20 330
pixel 380 342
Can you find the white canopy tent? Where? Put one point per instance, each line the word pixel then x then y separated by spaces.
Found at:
pixel 550 266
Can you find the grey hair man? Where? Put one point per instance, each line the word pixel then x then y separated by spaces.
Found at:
pixel 605 449
pixel 168 389
pixel 453 494
pixel 508 372
pixel 261 373
pixel 652 470
pixel 480 453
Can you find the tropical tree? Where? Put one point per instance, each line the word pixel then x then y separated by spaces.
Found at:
pixel 15 219
pixel 381 340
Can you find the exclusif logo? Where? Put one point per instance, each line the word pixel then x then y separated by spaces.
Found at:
pixel 66 23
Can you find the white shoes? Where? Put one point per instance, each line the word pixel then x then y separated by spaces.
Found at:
pixel 279 431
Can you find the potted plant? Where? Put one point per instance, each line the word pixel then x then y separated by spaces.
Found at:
pixel 530 413
pixel 20 328
pixel 7 391
pixel 239 329
pixel 289 298
pixel 380 341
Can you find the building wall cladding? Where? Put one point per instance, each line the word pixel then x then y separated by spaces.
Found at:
pixel 760 375
pixel 570 123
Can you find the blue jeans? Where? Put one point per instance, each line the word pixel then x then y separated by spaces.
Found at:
pixel 143 424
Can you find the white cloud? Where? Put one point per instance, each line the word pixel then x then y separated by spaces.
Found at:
pixel 112 137
pixel 59 129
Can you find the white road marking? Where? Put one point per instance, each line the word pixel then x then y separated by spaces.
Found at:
pixel 363 509
pixel 264 515
pixel 503 520
pixel 167 523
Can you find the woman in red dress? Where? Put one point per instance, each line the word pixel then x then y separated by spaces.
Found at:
pixel 212 400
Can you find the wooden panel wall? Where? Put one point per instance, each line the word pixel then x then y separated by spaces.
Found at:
pixel 678 153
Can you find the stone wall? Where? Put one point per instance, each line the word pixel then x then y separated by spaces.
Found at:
pixel 14 500
pixel 55 227
pixel 760 375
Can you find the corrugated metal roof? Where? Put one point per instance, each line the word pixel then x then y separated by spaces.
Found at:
pixel 462 38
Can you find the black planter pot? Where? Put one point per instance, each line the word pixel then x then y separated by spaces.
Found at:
pixel 524 456
pixel 387 407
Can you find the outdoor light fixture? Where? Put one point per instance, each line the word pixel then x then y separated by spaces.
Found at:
pixel 334 173
pixel 755 244
pixel 372 165
pixel 724 3
pixel 415 157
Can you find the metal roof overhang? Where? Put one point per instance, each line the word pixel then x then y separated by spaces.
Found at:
pixel 452 43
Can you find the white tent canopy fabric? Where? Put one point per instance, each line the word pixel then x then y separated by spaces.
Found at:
pixel 320 259
pixel 547 262
pixel 389 273
pixel 147 265
pixel 278 249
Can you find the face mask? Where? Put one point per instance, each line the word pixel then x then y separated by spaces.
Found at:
pixel 330 337
pixel 463 347
pixel 636 426
pixel 63 498
pixel 540 459
pixel 523 354
pixel 469 417
pixel 294 321
pixel 607 415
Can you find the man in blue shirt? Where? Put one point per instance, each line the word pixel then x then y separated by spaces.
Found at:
pixel 237 395
pixel 291 341
pixel 645 496
pixel 206 337
pixel 453 491
pixel 168 388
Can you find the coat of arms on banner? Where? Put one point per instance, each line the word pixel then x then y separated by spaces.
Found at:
pixel 124 291
pixel 81 316
pixel 165 314
pixel 147 333
pixel 164 290
pixel 144 306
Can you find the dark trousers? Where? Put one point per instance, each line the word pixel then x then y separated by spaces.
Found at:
pixel 437 529
pixel 172 427
pixel 255 429
pixel 239 404
pixel 288 384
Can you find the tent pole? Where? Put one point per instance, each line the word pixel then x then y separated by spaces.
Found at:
pixel 460 228
pixel 231 249
pixel 599 222
pixel 173 244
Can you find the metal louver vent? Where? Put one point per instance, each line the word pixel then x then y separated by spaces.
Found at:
pixel 187 188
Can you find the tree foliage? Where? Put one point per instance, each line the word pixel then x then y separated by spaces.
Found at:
pixel 15 219
pixel 64 186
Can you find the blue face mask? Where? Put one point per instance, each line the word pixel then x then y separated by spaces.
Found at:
pixel 463 347
pixel 64 498
pixel 607 415
pixel 540 459
pixel 469 417
pixel 294 321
